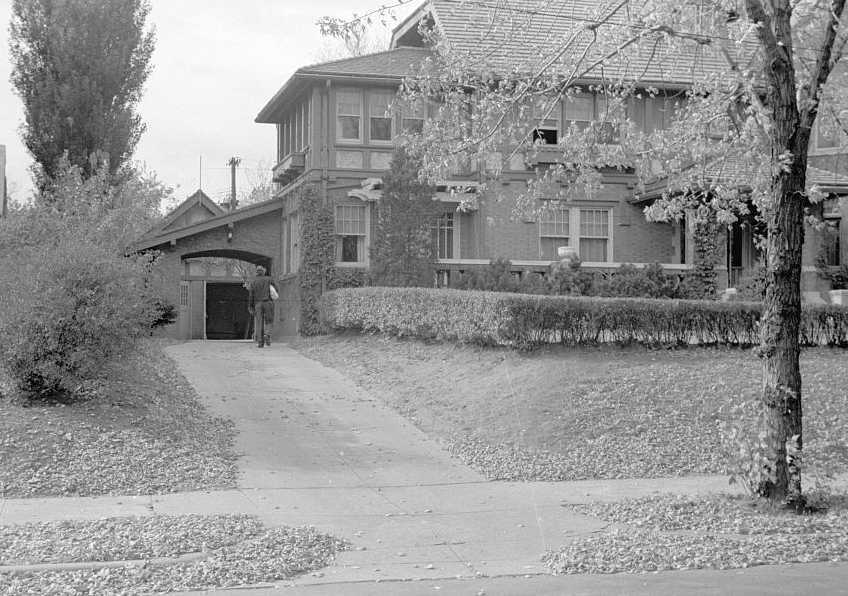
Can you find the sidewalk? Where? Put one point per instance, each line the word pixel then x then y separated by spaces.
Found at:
pixel 317 450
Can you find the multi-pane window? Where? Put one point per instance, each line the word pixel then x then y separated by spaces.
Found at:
pixel 594 235
pixel 554 228
pixel 348 116
pixel 441 230
pixel 351 229
pixel 413 118
pixel 380 117
pixel 585 230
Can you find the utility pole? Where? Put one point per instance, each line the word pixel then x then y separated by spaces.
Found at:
pixel 233 163
pixel 3 198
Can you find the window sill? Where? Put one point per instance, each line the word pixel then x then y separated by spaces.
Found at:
pixel 357 265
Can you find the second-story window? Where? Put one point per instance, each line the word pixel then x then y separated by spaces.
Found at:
pixel 546 122
pixel 348 116
pixel 580 110
pixel 380 117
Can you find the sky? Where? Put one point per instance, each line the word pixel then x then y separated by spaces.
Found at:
pixel 215 66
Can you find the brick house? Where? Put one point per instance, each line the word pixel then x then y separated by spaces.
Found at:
pixel 335 129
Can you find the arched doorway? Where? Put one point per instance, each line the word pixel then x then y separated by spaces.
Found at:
pixel 214 295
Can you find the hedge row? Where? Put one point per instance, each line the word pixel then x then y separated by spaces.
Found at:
pixel 491 318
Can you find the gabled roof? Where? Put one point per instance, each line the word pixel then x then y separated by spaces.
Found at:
pixel 163 237
pixel 199 198
pixel 503 36
pixel 390 65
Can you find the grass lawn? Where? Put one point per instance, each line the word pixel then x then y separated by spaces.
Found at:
pixel 719 532
pixel 578 413
pixel 141 431
pixel 199 552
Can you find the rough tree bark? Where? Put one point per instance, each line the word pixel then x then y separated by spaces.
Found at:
pixel 793 113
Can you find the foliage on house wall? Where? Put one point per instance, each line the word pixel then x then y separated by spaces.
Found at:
pixel 402 252
pixel 317 267
pixel 702 282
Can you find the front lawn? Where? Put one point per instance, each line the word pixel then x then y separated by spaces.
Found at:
pixel 580 413
pixel 141 430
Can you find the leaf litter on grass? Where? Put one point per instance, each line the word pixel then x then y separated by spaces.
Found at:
pixel 599 412
pixel 239 552
pixel 141 430
pixel 717 532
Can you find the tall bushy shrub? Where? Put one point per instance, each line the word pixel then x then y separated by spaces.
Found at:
pixel 70 298
pixel 402 251
pixel 70 310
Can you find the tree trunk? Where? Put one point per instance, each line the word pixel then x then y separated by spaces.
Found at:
pixel 780 347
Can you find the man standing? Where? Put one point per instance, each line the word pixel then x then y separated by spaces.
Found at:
pixel 261 306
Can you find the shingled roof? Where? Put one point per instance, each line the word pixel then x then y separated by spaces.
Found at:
pixel 502 36
pixel 390 65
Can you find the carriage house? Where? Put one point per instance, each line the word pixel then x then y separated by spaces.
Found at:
pixel 335 132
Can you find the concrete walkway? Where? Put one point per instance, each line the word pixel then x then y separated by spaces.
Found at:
pixel 315 449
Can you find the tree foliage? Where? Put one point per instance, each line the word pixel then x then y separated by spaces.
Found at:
pixel 753 78
pixel 80 66
pixel 70 298
pixel 402 251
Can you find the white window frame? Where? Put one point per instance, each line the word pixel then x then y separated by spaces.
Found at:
pixel 608 237
pixel 351 141
pixel 543 220
pixel 363 245
pixel 573 238
pixel 387 115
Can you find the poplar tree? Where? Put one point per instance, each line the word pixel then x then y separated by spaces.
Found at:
pixel 79 67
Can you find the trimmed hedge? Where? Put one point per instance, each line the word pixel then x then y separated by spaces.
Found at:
pixel 493 318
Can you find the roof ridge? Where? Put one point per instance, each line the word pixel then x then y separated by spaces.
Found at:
pixel 360 57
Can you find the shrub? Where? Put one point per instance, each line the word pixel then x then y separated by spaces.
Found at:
pixel 567 279
pixel 490 318
pixel 69 308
